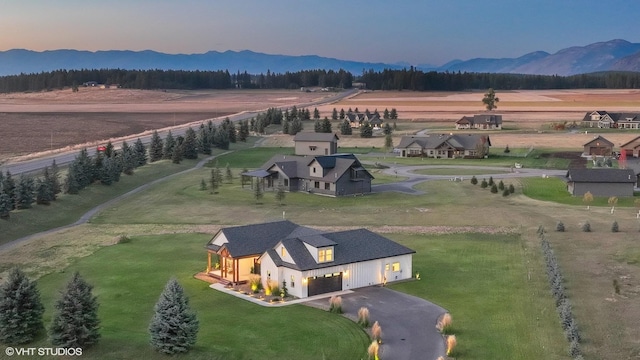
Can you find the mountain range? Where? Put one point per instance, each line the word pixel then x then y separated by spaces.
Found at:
pixel 613 55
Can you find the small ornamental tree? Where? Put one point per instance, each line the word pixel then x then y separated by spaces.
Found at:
pixel 474 180
pixel 505 192
pixel 491 182
pixel 586 227
pixel 174 326
pixel 280 193
pixel 494 189
pixel 484 184
pixel 490 99
pixel 257 192
pixel 587 198
pixel 20 309
pixel 155 148
pixel 512 188
pixel 500 185
pixel 507 150
pixel 614 227
pixel 345 128
pixel 75 322
pixel 560 226
pixel 5 206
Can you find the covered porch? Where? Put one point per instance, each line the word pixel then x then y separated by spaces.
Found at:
pixel 229 270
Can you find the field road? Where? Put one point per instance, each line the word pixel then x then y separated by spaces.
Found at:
pixel 62 159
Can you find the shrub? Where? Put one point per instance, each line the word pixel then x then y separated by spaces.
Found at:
pixel 500 185
pixel 491 182
pixel 255 282
pixel 123 239
pixel 560 226
pixel 444 324
pixel 586 227
pixel 506 150
pixel 616 286
pixel 376 332
pixel 574 349
pixel 494 189
pixel 270 287
pixel 484 184
pixel 373 350
pixel 335 304
pixel 505 192
pixel 512 188
pixel 614 227
pixel 451 344
pixel 474 180
pixel 363 317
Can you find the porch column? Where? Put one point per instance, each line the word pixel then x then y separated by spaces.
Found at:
pixel 236 269
pixel 208 261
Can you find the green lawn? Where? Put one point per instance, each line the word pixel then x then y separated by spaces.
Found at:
pixel 454 171
pixel 496 291
pixel 554 189
pixel 128 279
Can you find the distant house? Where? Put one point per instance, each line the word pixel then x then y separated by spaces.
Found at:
pixel 481 122
pixel 631 148
pixel 601 182
pixel 445 146
pixel 599 146
pixel 312 143
pixel 356 119
pixel 605 120
pixel 335 175
pixel 308 261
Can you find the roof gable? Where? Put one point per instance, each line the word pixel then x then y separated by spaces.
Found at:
pixel 599 141
pixel 314 136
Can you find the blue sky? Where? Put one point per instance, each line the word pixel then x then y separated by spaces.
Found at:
pixel 413 31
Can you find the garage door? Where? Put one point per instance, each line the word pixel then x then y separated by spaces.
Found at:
pixel 325 284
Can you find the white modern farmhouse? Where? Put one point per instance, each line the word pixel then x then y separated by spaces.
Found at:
pixel 310 261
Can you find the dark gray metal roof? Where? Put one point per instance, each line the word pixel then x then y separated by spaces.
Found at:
pixel 314 136
pixel 434 141
pixel 257 173
pixel 317 240
pixel 351 246
pixel 604 175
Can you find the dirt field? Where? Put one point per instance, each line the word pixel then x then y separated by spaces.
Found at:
pixel 34 122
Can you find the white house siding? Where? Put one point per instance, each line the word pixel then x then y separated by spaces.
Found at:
pixel 220 240
pixel 268 267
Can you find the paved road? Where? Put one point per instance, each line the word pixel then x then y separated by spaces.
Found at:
pixel 407 322
pixel 65 158
pixel 406 186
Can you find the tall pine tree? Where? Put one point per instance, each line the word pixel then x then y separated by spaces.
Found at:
pixel 190 147
pixel 140 152
pixel 75 322
pixel 169 144
pixel 155 148
pixel 20 309
pixel 174 326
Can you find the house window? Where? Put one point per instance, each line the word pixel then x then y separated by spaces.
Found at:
pixel 327 186
pixel 325 255
pixel 283 252
pixel 316 184
pixel 313 148
pixel 286 182
pixel 396 266
pixel 313 170
pixel 293 281
pixel 386 267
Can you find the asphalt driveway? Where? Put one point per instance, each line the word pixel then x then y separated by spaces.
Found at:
pixel 407 322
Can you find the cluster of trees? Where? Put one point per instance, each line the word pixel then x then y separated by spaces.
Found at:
pixel 174 79
pixel 23 193
pixel 493 186
pixel 563 305
pixel 75 324
pixel 291 120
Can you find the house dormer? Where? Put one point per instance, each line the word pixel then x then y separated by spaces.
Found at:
pixel 283 253
pixel 320 248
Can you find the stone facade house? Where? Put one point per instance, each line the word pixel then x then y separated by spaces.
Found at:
pixel 444 146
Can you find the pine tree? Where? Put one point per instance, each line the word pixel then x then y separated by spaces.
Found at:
pixel 229 174
pixel 316 114
pixel 155 148
pixel 44 193
pixel 20 309
pixel 9 188
pixel 326 125
pixel 386 114
pixel 334 114
pixel 109 150
pixel 387 129
pixel 24 192
pixel 140 152
pixel 106 175
pixel 71 185
pixel 203 185
pixel 5 206
pixel 174 326
pixel 280 193
pixel 345 128
pixel 169 144
pixel 285 126
pixel 257 192
pixel 75 322
pixel 341 114
pixel 317 126
pixel 214 181
pixel 189 147
pixel 295 126
pixel 388 142
pixel 176 158
pixel 366 131
pixel 221 139
pixel 55 178
pixel 393 115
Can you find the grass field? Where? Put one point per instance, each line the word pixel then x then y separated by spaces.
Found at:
pixel 554 189
pixel 128 279
pixel 495 290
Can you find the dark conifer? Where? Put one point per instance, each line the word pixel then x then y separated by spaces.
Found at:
pixel 174 326
pixel 169 144
pixel 155 147
pixel 20 309
pixel 140 152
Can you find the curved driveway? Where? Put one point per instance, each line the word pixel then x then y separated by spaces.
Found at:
pixel 407 322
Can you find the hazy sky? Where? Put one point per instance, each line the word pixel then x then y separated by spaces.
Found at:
pixel 413 31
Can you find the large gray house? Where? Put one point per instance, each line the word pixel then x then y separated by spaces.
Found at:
pixel 445 146
pixel 312 143
pixel 480 122
pixel 308 260
pixel 601 182
pixel 603 119
pixel 335 175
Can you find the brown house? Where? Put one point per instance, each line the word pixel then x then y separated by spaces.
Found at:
pixel 632 148
pixel 480 122
pixel 444 146
pixel 598 147
pixel 314 144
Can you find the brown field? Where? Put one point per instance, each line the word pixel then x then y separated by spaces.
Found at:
pixel 35 122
